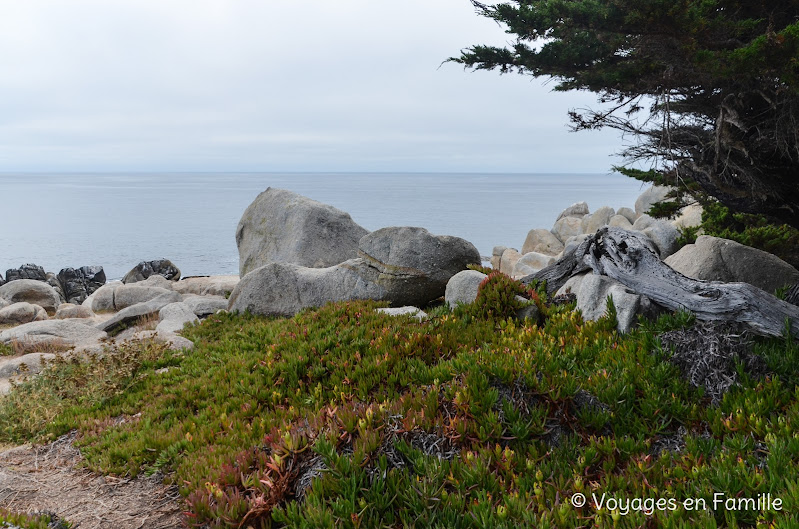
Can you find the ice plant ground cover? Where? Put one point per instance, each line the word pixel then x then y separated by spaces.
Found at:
pixel 346 417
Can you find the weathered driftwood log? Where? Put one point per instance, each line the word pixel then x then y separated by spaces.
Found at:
pixel 628 257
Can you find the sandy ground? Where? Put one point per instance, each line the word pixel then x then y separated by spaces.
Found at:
pixel 46 479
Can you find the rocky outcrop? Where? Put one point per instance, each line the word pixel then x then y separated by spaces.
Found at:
pixel 715 259
pixel 26 271
pixel 129 295
pixel 77 284
pixel 31 291
pixel 404 266
pixel 145 269
pixel 282 226
pixel 578 209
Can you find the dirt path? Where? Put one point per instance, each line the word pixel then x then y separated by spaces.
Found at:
pixel 46 479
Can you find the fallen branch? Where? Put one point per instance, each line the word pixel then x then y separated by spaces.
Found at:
pixel 629 258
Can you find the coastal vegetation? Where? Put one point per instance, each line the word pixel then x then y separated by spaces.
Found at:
pixel 346 417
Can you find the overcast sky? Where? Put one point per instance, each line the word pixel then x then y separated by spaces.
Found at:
pixel 273 85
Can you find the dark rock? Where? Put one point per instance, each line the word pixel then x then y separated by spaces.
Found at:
pixel 145 269
pixel 77 284
pixel 52 280
pixel 26 271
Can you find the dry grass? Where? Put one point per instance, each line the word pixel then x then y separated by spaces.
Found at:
pixel 23 347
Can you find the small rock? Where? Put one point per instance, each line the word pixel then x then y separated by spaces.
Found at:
pixel 463 287
pixel 531 263
pixel 416 312
pixel 204 306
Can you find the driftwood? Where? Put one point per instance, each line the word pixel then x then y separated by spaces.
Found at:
pixel 630 259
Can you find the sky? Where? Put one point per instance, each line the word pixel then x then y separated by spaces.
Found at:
pixel 273 85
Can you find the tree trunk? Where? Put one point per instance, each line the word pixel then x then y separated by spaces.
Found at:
pixel 629 258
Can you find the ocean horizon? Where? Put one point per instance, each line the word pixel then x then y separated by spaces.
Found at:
pixel 59 220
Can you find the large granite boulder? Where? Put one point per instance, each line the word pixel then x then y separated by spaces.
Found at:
pixel 578 209
pixel 715 259
pixel 404 266
pixel 282 226
pixel 70 311
pixel 31 291
pixel 542 241
pixel 530 263
pixel 599 218
pixel 64 332
pixel 414 264
pixel 664 235
pixel 283 289
pixel 102 300
pixel 508 260
pixel 26 271
pixel 145 269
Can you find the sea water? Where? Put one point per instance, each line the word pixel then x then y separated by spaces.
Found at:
pixel 118 220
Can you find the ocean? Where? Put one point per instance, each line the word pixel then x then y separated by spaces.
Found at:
pixel 118 220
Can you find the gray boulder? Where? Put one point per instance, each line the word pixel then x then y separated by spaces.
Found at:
pixel 129 315
pixel 145 269
pixel 496 256
pixel 206 286
pixel 599 218
pixel 26 271
pixel 627 213
pixel 643 222
pixel 282 226
pixel 620 221
pixel 173 341
pixel 66 332
pixel 69 311
pixel 102 300
pixel 651 196
pixel 463 287
pixel 128 295
pixel 416 312
pixel 592 293
pixel 28 364
pixel 52 280
pixel 715 259
pixel 283 289
pixel 531 263
pixel 542 241
pixel 174 317
pixel 32 291
pixel 690 217
pixel 21 312
pixel 414 264
pixel 567 227
pixel 203 306
pixel 664 235
pixel 508 261
pixel 578 209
